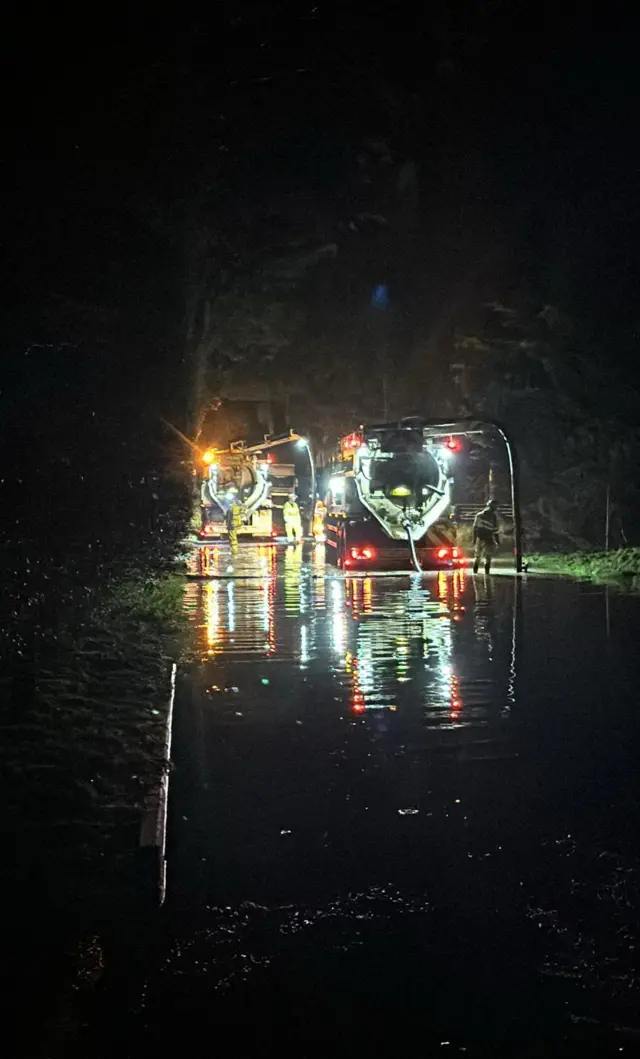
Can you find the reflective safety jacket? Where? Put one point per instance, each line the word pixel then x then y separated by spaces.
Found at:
pixel 291 511
pixel 234 517
pixel 485 525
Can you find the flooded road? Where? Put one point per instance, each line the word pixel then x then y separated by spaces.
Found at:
pixel 404 813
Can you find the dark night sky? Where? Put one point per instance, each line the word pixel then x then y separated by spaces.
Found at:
pixel 534 113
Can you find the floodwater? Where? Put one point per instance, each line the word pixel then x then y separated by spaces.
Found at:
pixel 403 815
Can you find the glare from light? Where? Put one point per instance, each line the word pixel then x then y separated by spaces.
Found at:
pixel 266 613
pixel 336 485
pixel 444 453
pixel 231 608
pixel 302 443
pixel 338 632
pixel 304 645
pixel 212 613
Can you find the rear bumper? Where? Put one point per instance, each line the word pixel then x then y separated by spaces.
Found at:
pixel 400 559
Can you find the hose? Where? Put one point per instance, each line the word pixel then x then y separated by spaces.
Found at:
pixel 412 548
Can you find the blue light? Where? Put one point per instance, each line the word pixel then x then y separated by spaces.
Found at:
pixel 380 296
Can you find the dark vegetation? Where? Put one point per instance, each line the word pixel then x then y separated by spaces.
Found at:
pixel 621 566
pixel 91 611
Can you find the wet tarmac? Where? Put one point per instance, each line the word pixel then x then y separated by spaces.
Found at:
pixel 403 815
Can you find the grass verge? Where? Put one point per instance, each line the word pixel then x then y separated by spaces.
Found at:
pixel 84 735
pixel 621 566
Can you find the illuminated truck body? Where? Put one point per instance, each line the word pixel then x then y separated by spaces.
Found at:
pixel 389 494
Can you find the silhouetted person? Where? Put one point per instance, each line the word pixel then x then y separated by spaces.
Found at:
pixel 485 536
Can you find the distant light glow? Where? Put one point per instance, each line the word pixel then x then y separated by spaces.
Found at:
pixel 380 296
pixel 401 490
pixel 302 443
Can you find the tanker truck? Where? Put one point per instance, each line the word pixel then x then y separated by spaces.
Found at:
pixel 389 499
pixel 251 477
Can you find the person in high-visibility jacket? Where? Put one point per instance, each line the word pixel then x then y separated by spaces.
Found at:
pixel 485 536
pixel 292 519
pixel 234 522
pixel 319 515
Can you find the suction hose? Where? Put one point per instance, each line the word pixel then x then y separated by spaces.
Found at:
pixel 412 548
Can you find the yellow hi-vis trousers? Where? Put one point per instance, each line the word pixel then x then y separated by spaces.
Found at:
pixel 293 528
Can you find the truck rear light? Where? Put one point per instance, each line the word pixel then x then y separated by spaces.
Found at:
pixel 456 553
pixel 362 553
pixel 443 553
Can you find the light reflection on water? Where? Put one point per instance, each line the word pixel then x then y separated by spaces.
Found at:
pixel 349 767
pixel 438 644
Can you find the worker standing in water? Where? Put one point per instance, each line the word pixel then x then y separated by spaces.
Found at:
pixel 319 515
pixel 234 522
pixel 292 519
pixel 485 536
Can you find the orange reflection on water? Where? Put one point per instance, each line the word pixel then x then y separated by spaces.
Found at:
pixel 366 595
pixel 352 587
pixel 212 615
pixel 456 700
pixel 358 704
pixel 442 585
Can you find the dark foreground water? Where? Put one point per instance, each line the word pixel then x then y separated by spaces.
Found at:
pixel 403 818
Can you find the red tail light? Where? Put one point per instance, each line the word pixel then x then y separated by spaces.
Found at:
pixel 363 553
pixel 443 553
